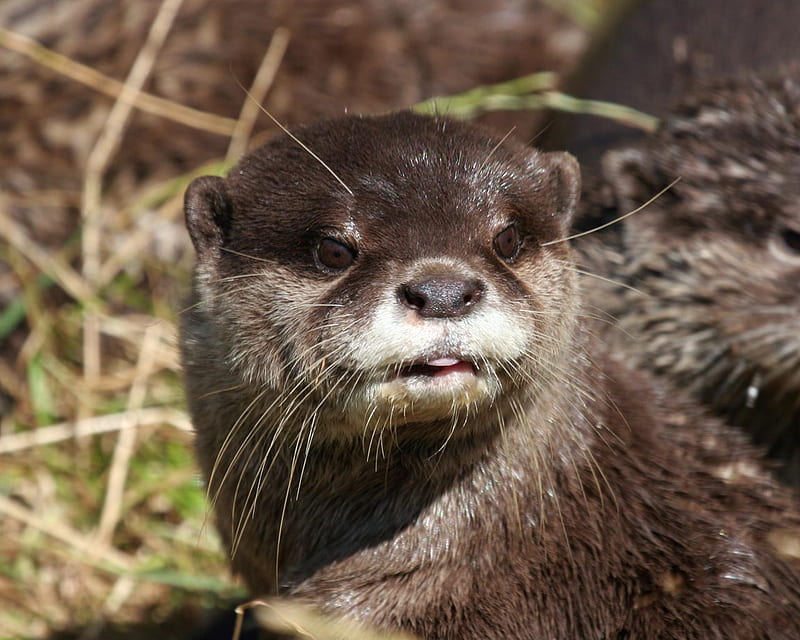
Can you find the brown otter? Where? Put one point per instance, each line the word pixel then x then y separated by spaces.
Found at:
pixel 403 420
pixel 715 262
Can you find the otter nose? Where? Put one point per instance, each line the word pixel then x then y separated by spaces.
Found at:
pixel 441 297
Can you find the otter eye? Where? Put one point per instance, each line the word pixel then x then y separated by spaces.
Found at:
pixel 334 255
pixel 507 243
pixel 785 244
pixel 791 240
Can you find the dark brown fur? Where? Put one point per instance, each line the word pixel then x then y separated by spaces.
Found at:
pixel 579 501
pixel 715 261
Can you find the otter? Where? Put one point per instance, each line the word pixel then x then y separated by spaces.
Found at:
pixel 714 264
pixel 404 420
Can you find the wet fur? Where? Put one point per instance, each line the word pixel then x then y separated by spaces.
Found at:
pixel 571 498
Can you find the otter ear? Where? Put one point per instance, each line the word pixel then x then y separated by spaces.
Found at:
pixel 566 177
pixel 632 176
pixel 208 211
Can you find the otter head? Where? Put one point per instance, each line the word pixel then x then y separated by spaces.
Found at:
pixel 400 277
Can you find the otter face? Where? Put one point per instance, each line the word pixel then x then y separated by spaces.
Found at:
pixel 412 287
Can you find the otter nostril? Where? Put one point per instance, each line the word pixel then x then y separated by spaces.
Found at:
pixel 413 297
pixel 473 295
pixel 441 297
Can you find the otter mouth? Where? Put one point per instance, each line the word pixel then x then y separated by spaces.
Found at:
pixel 432 388
pixel 437 368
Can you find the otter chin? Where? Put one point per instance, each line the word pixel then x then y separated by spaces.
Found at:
pixel 404 421
pixel 431 389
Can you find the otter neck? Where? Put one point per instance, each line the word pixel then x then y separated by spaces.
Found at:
pixel 416 495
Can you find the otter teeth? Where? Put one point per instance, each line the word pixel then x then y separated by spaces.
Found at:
pixel 443 362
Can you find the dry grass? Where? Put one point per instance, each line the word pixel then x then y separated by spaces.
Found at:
pixel 102 515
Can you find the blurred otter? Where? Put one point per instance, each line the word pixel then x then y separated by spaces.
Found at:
pixel 652 53
pixel 716 258
pixel 715 262
pixel 404 421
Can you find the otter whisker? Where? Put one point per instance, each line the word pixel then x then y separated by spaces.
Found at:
pixel 607 280
pixel 241 254
pixel 298 141
pixel 497 146
pixel 214 297
pixel 322 305
pixel 287 493
pixel 311 431
pixel 229 438
pixel 245 276
pixel 540 313
pixel 617 219
pixel 375 428
pixel 221 390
